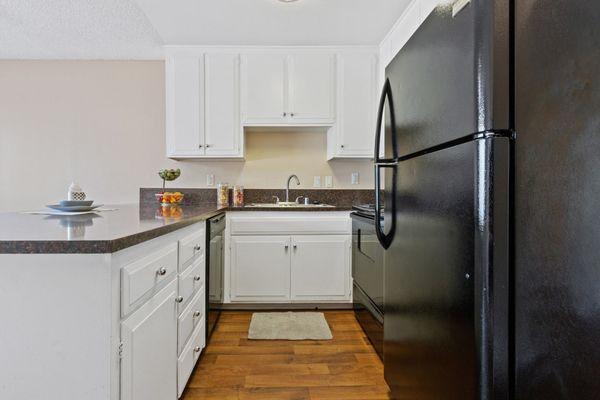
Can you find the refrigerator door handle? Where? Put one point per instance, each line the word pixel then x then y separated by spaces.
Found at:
pixel 385 239
pixel 386 94
pixel 391 163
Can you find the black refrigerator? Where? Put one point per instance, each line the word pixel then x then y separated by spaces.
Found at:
pixel 490 117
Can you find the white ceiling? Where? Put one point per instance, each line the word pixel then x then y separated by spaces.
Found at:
pixel 271 22
pixel 137 29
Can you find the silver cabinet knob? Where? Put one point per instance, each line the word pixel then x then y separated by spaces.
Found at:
pixel 197 278
pixel 196 314
pixel 197 247
pixel 197 349
pixel 286 246
pixel 295 246
pixel 200 146
pixel 178 299
pixel 207 145
pixel 161 271
pixel 342 146
pixel 291 114
pixel 284 114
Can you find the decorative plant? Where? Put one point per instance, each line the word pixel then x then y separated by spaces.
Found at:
pixel 169 175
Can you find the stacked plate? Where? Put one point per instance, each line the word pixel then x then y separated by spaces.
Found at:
pixel 74 205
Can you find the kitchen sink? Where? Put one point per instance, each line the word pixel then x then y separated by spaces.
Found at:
pixel 283 204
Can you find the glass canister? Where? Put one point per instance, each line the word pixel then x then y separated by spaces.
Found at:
pixel 223 194
pixel 238 196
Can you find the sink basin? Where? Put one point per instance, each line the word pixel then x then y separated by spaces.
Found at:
pixel 283 204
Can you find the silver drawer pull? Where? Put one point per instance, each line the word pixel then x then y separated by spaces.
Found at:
pixel 178 299
pixel 197 349
pixel 196 314
pixel 161 271
pixel 197 277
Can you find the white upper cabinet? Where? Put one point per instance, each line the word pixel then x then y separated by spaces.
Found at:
pixel 311 88
pixel 354 132
pixel 222 125
pixel 264 89
pixel 185 105
pixel 288 89
pixel 214 92
pixel 203 106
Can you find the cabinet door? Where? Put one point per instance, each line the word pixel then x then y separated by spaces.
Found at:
pixel 320 267
pixel 357 103
pixel 260 268
pixel 222 125
pixel 149 355
pixel 264 88
pixel 312 88
pixel 185 106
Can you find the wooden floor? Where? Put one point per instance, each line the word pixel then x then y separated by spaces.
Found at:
pixel 233 367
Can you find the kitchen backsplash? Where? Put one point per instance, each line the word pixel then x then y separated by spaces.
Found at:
pixel 338 197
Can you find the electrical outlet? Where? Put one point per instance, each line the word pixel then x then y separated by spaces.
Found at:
pixel 210 180
pixel 355 178
pixel 328 181
pixel 317 181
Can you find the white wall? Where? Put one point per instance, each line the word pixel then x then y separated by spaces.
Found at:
pixel 101 123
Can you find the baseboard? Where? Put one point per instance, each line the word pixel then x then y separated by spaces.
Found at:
pixel 285 306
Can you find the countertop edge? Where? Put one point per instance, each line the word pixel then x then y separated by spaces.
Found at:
pixel 97 246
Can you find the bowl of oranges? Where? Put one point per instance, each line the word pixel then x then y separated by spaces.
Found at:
pixel 169 198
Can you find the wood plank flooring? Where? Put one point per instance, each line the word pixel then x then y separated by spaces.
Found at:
pixel 233 367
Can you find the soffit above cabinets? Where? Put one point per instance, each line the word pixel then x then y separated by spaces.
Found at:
pixel 272 22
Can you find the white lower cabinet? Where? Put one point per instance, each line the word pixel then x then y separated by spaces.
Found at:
pixel 189 356
pixel 283 269
pixel 162 339
pixel 260 268
pixel 149 349
pixel 319 267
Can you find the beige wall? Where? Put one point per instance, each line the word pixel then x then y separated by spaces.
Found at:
pixel 101 123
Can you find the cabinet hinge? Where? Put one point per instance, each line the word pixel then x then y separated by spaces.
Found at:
pixel 120 350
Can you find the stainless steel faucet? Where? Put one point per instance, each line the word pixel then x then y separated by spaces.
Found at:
pixel 287 187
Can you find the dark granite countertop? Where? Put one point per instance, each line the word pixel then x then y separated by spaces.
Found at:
pixel 103 232
pixel 108 231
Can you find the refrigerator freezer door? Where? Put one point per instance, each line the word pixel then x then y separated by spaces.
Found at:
pixel 433 82
pixel 557 223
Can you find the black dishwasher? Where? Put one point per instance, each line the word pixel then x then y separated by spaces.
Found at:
pixel 215 257
pixel 368 276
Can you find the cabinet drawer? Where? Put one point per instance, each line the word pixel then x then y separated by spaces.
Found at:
pixel 189 356
pixel 263 224
pixel 191 317
pixel 191 246
pixel 141 277
pixel 191 280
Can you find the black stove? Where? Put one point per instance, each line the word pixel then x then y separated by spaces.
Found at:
pixel 365 210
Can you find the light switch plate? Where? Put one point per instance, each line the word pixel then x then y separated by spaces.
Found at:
pixel 210 180
pixel 328 181
pixel 355 178
pixel 317 181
